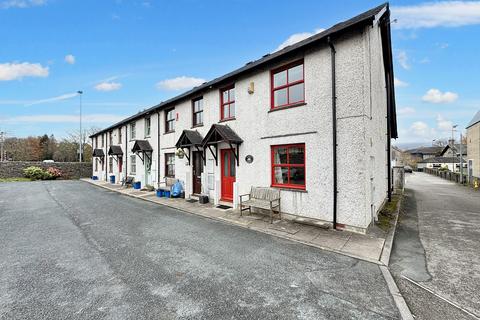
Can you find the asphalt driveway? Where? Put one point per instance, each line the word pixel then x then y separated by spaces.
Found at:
pixel 70 250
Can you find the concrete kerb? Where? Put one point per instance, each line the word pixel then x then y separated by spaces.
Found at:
pixel 387 247
pixel 392 286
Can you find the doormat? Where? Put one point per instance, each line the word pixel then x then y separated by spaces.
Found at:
pixel 223 207
pixel 191 200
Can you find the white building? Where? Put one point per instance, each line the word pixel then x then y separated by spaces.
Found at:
pixel 314 119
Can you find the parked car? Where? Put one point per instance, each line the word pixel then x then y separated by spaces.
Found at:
pixel 408 169
pixel 48 161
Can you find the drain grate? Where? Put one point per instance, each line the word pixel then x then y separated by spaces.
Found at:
pixel 223 207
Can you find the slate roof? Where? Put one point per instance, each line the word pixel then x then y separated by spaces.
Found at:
pixel 475 120
pixel 115 151
pixel 98 153
pixel 363 19
pixel 456 149
pixel 219 133
pixel 142 145
pixel 442 160
pixel 189 138
pixel 426 150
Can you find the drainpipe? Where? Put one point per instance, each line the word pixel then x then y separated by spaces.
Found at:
pixel 158 149
pixel 107 160
pixel 389 147
pixel 334 132
pixel 126 151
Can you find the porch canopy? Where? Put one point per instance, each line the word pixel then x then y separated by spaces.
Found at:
pixel 190 139
pixel 115 151
pixel 221 133
pixel 98 153
pixel 142 149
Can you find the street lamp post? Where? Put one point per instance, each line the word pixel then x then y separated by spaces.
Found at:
pixel 81 137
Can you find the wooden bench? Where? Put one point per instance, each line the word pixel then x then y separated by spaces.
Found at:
pixel 167 184
pixel 262 198
pixel 128 181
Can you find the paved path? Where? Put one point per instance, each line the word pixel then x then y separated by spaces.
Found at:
pixel 74 251
pixel 437 245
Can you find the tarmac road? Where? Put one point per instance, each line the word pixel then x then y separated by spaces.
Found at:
pixel 70 250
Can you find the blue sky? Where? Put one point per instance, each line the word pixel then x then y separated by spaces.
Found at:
pixel 129 55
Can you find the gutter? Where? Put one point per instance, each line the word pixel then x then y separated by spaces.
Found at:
pixel 334 132
pixel 158 149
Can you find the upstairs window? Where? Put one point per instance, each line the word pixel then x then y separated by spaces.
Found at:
pixel 227 103
pixel 133 129
pixel 170 120
pixel 288 87
pixel 119 135
pixel 103 140
pixel 110 138
pixel 197 109
pixel 147 127
pixel 288 166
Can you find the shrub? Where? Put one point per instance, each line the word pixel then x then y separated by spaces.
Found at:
pixel 36 173
pixel 54 172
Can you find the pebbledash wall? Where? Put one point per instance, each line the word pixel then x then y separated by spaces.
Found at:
pixel 361 133
pixel 70 170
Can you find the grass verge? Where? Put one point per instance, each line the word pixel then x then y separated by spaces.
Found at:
pixel 14 179
pixel 386 217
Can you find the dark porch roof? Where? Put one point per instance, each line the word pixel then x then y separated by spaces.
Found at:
pixel 221 133
pixel 189 138
pixel 142 146
pixel 115 151
pixel 98 153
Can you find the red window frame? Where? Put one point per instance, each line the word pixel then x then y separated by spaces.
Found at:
pixel 168 121
pixel 229 103
pixel 288 165
pixel 287 85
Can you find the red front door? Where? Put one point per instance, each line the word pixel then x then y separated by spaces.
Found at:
pixel 228 174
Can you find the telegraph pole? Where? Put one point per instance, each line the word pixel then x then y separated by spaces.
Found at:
pixel 80 145
pixel 2 154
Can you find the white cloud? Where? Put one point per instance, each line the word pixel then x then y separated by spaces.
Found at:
pixel 297 37
pixel 54 99
pixel 437 14
pixel 179 83
pixel 443 124
pixel 402 59
pixel 64 118
pixel 436 96
pixel 7 4
pixel 421 130
pixel 405 111
pixel 15 70
pixel 399 83
pixel 70 59
pixel 108 86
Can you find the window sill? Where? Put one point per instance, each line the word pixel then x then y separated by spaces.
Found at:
pixel 169 132
pixel 290 189
pixel 227 119
pixel 197 125
pixel 146 137
pixel 288 106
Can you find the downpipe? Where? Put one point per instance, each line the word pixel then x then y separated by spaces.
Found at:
pixel 334 131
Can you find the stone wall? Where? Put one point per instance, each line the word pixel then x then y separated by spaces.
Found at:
pixel 70 170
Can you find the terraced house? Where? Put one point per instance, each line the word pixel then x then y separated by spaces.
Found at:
pixel 314 119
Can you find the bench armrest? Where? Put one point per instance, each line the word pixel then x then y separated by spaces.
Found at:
pixel 274 200
pixel 244 195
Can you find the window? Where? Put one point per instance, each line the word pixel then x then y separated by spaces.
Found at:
pixel 120 163
pixel 133 164
pixel 103 140
pixel 288 166
pixel 119 135
pixel 110 164
pixel 288 86
pixel 170 165
pixel 133 128
pixel 147 127
pixel 227 103
pixel 169 120
pixel 110 138
pixel 96 164
pixel 96 142
pixel 197 109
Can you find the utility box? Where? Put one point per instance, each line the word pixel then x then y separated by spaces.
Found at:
pixel 203 199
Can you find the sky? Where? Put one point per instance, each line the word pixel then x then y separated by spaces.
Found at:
pixel 129 55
